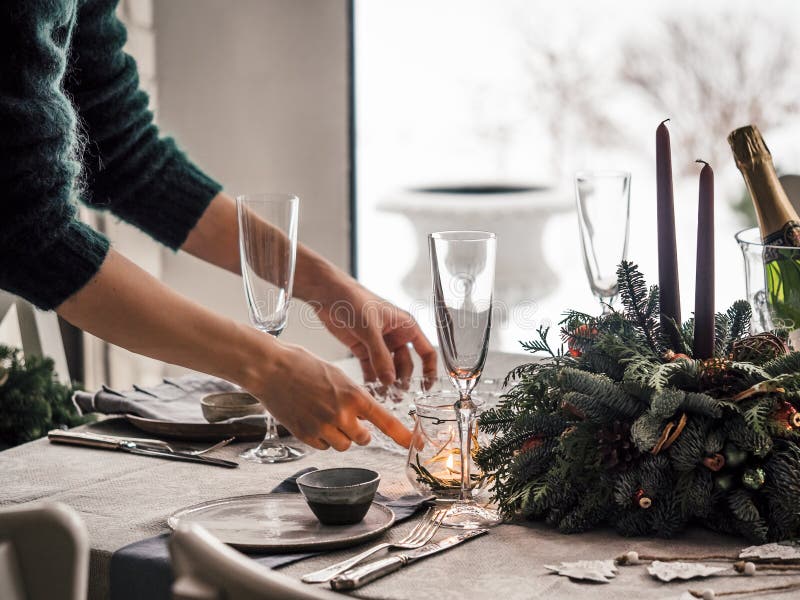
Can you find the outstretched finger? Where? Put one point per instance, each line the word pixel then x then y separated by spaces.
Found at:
pixel 385 421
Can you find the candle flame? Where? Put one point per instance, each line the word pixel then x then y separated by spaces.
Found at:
pixel 451 463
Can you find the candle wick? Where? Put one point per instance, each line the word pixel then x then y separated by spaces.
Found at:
pixel 701 161
pixel 664 121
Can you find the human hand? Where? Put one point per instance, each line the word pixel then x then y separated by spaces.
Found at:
pixel 318 403
pixel 377 332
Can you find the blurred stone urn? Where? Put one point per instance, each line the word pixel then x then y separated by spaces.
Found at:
pixel 517 214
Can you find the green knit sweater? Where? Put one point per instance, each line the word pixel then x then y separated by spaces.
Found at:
pixel 75 125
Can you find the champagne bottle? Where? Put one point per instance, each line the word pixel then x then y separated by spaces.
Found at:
pixel 778 223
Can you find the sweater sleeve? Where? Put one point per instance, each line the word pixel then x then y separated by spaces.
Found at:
pixel 139 176
pixel 45 253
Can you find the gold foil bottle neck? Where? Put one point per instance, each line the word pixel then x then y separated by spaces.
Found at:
pixel 773 209
pixel 748 146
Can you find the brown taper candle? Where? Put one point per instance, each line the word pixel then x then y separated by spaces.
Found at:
pixel 669 287
pixel 704 282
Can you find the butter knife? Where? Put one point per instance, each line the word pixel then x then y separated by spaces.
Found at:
pixel 359 576
pixel 130 446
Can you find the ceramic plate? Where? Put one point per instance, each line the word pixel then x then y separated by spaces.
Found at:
pixel 279 523
pixel 202 432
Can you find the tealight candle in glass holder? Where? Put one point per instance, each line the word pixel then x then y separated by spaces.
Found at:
pixel 434 457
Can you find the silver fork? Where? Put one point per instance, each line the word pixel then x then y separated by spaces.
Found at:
pixel 416 538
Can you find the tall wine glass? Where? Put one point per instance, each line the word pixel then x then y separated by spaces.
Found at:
pixel 603 200
pixel 462 268
pixel 268 245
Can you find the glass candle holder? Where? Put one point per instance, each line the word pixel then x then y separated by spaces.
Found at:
pixel 434 457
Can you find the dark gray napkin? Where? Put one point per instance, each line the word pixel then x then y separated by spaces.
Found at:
pixel 176 399
pixel 142 571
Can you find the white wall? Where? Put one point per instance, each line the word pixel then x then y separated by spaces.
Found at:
pixel 257 92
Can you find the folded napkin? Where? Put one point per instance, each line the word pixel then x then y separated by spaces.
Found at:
pixel 176 399
pixel 142 571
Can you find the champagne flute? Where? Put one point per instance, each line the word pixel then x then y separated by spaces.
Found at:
pixel 268 245
pixel 462 269
pixel 603 202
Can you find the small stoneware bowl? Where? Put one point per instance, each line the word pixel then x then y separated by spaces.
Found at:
pixel 340 496
pixel 230 405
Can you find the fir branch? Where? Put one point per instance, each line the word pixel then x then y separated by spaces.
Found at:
pixel 739 315
pixel 788 363
pixel 703 404
pixel 638 306
pixel 721 328
pixel 758 413
pixel 540 345
pixel 600 389
pixel 497 419
pixel 672 336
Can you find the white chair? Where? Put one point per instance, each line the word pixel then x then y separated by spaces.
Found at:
pixel 44 553
pixel 207 569
pixel 39 331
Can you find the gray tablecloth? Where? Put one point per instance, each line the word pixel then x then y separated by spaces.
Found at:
pixel 124 499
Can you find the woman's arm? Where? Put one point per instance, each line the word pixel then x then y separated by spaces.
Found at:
pixel 129 168
pixel 377 332
pixel 45 254
pixel 313 399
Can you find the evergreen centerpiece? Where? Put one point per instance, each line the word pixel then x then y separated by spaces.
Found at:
pixel 625 428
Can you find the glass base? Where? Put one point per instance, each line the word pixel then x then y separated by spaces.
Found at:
pixel 463 515
pixel 277 453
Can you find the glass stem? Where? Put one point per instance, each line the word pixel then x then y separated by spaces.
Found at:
pixel 465 410
pixel 271 438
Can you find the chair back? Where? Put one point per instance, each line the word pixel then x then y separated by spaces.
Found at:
pixel 44 553
pixel 39 331
pixel 207 569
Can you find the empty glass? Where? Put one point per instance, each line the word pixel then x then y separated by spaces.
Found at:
pixel 268 245
pixel 603 201
pixel 462 268
pixel 772 277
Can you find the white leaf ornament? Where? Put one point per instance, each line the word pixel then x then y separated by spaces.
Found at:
pixel 774 551
pixel 601 571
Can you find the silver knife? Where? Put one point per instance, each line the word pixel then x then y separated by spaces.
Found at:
pixel 132 447
pixel 355 578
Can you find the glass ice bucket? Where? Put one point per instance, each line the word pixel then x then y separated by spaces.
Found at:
pixel 772 277
pixel 434 458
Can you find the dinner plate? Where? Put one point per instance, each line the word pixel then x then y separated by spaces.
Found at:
pixel 202 432
pixel 279 523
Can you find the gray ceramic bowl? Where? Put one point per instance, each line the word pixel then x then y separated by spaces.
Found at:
pixel 230 405
pixel 340 496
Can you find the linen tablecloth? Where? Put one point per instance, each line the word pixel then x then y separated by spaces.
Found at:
pixel 124 498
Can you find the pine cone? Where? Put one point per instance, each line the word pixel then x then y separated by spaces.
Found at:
pixel 617 450
pixel 717 378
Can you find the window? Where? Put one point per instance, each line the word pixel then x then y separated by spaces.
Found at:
pixel 461 93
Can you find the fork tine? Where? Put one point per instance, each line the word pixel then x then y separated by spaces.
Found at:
pixel 427 532
pixel 420 524
pixel 216 446
pixel 437 522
